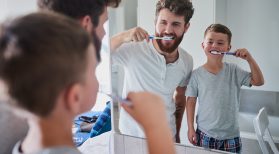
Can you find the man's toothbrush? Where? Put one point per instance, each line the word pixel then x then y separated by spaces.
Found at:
pixel 215 52
pixel 161 38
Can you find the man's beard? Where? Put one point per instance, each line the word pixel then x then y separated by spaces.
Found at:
pixel 169 48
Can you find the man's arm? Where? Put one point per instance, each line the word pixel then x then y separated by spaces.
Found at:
pixel 180 102
pixel 136 34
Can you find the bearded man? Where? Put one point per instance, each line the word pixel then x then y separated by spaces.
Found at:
pixel 156 65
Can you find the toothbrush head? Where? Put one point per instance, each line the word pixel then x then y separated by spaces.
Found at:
pixel 215 52
pixel 168 38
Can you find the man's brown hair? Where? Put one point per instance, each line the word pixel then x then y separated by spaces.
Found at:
pixel 79 8
pixel 41 54
pixel 178 7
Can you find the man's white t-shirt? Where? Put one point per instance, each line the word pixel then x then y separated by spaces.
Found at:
pixel 146 70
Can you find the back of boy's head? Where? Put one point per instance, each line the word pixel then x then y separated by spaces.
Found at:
pixel 178 7
pixel 78 8
pixel 219 28
pixel 41 54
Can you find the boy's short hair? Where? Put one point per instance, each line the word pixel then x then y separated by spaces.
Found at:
pixel 219 28
pixel 41 54
pixel 78 8
pixel 178 7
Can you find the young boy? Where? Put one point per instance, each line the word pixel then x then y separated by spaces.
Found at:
pixel 47 62
pixel 217 84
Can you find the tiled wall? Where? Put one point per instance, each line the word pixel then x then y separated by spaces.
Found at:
pixel 124 144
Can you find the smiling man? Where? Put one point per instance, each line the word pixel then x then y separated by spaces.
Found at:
pixel 159 66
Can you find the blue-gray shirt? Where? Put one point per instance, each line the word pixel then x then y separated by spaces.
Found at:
pixel 218 98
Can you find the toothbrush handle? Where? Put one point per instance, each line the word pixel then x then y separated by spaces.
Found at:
pixel 229 53
pixel 152 37
pixel 117 99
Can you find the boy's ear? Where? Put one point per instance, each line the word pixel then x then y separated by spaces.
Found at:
pixel 86 23
pixel 186 26
pixel 229 48
pixel 73 99
pixel 202 45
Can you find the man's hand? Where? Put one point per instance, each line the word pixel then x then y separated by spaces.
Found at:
pixel 136 34
pixel 177 138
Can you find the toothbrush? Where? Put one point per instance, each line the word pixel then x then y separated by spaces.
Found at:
pixel 162 38
pixel 215 52
pixel 120 100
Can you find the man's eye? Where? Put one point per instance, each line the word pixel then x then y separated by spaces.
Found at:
pixel 176 24
pixel 163 23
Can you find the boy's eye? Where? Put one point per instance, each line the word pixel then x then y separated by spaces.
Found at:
pixel 220 43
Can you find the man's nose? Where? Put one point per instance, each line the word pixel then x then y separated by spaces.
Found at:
pixel 169 29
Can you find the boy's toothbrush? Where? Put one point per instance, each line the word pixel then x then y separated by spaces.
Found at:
pixel 215 52
pixel 120 100
pixel 161 38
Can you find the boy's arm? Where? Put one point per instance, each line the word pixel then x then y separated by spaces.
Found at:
pixel 190 110
pixel 136 34
pixel 154 122
pixel 257 78
pixel 180 102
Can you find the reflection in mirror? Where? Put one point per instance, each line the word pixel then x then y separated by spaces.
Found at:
pixel 259 35
pixel 162 55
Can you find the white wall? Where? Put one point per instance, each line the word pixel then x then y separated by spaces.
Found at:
pixel 124 17
pixel 255 26
pixel 12 8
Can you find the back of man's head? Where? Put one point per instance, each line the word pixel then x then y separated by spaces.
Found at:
pixel 79 8
pixel 40 55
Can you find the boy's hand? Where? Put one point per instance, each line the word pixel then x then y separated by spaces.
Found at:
pixel 147 108
pixel 243 53
pixel 192 136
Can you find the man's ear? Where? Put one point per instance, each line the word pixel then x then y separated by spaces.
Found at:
pixel 86 23
pixel 186 27
pixel 73 99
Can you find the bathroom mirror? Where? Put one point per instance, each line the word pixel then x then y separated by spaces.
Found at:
pixel 254 25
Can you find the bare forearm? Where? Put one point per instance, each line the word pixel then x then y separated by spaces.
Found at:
pixel 160 140
pixel 190 109
pixel 257 78
pixel 117 40
pixel 180 102
pixel 180 108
